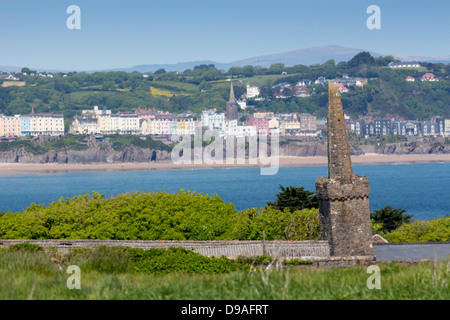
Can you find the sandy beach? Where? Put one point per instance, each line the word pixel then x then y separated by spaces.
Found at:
pixel 33 168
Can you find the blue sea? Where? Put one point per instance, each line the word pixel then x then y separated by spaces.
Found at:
pixel 423 189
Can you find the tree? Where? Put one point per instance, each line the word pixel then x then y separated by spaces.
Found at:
pixel 360 59
pixel 160 71
pixel 294 198
pixel 390 218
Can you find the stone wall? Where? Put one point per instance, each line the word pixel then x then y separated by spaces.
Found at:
pixel 231 249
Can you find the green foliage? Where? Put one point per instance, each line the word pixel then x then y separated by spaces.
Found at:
pixel 152 261
pixel 277 225
pixel 68 142
pixel 421 231
pixel 390 218
pixel 294 198
pixel 119 142
pixel 25 247
pixel 387 94
pixel 148 216
pixel 296 262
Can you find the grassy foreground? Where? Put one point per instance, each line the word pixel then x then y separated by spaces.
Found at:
pixel 33 275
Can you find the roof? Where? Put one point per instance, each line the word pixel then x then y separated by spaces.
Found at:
pixel 428 75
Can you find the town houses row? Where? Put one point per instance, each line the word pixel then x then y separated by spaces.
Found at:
pixel 437 126
pixel 153 122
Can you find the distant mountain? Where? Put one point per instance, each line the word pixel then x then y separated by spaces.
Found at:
pixel 432 59
pixel 306 57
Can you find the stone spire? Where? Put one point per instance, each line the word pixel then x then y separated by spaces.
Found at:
pixel 231 112
pixel 232 98
pixel 343 196
pixel 339 161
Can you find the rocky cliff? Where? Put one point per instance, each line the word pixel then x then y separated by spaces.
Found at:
pixel 105 153
pixel 90 155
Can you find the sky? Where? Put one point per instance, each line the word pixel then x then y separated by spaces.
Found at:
pixel 124 33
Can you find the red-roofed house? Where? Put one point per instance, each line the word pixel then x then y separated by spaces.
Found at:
pixel 428 77
pixel 410 79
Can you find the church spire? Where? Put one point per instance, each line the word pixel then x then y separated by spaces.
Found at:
pixel 232 98
pixel 339 161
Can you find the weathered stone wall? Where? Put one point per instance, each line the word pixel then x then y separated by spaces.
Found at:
pixel 231 249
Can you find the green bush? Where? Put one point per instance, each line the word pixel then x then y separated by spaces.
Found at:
pixel 390 218
pixel 25 247
pixel 421 231
pixel 294 198
pixel 152 261
pixel 277 225
pixel 138 216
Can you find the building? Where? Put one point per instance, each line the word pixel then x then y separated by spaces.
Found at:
pixel 246 131
pixel 231 112
pixel 320 80
pixel 429 128
pixel 290 128
pixel 383 127
pixel 404 64
pixel 410 79
pixel 252 92
pixel 262 115
pixel 429 77
pixel 409 128
pixel 307 124
pixel 262 126
pixel 447 127
pixel 440 123
pixel 213 120
pixel 10 126
pixel 47 124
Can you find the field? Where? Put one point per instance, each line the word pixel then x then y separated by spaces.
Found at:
pixel 32 275
pixel 13 83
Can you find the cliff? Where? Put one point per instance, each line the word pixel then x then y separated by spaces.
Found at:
pixel 105 152
pixel 96 154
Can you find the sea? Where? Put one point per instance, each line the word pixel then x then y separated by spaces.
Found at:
pixel 422 189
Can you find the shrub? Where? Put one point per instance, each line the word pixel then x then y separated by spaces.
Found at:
pixel 277 225
pixel 294 198
pixel 422 231
pixel 390 218
pixel 25 247
pixel 148 216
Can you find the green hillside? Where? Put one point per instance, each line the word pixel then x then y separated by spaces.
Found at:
pixel 386 94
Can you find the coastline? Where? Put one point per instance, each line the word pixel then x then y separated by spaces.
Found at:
pixel 284 161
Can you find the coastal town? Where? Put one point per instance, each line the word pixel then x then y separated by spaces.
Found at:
pixel 238 119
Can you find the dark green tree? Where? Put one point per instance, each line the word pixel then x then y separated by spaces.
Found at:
pixel 390 218
pixel 294 198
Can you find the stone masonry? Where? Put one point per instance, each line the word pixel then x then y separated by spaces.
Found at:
pixel 343 196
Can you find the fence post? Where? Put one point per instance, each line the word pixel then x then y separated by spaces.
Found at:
pixel 264 242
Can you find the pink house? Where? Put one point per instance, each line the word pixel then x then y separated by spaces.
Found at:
pixel 262 126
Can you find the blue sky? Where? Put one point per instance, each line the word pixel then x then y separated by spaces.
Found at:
pixel 123 33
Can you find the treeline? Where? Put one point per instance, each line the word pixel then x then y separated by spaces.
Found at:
pixel 187 215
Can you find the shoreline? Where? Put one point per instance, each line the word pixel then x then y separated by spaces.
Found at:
pixel 284 161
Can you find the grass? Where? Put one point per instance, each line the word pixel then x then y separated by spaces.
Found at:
pixel 32 275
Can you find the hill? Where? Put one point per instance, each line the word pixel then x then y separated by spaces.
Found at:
pixel 386 93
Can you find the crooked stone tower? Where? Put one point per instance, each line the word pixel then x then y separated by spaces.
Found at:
pixel 232 106
pixel 343 196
